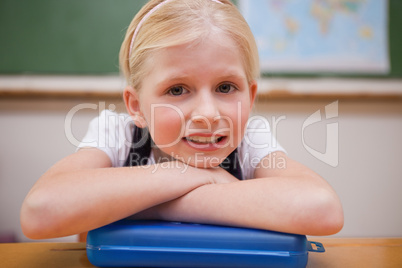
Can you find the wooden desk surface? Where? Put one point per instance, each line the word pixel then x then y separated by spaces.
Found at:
pixel 340 252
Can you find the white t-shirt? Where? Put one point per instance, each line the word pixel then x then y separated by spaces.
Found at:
pixel 113 134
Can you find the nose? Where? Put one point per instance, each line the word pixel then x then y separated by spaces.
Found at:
pixel 206 110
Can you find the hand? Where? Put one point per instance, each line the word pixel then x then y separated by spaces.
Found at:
pixel 213 175
pixel 219 176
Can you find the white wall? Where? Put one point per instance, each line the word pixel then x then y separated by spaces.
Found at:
pixel 368 177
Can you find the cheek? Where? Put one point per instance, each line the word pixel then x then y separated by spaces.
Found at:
pixel 245 114
pixel 236 117
pixel 243 117
pixel 240 113
pixel 165 123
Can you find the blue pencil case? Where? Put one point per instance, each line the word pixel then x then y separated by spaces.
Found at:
pixel 129 243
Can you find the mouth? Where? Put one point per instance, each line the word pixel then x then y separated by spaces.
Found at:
pixel 205 140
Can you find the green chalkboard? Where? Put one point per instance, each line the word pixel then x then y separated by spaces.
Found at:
pixel 84 36
pixel 63 36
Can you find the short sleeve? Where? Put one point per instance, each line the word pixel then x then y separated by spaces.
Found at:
pixel 111 133
pixel 258 142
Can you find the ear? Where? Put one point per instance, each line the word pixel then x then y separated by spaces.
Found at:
pixel 253 92
pixel 132 101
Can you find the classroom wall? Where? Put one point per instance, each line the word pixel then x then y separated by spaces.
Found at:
pixel 368 176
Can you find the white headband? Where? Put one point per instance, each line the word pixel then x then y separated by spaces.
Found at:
pixel 149 14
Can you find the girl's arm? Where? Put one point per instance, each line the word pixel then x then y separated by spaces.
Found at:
pixel 293 199
pixel 83 192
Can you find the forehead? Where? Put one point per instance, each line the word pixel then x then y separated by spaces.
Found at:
pixel 215 54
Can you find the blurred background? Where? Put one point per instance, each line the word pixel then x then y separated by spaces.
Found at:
pixel 343 119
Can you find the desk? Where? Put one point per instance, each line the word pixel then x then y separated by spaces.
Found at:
pixel 340 252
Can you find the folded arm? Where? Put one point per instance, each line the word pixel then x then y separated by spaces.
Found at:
pixel 83 192
pixel 292 199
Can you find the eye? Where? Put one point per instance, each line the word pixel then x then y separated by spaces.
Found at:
pixel 225 88
pixel 177 91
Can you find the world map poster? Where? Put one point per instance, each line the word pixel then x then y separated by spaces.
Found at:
pixel 315 36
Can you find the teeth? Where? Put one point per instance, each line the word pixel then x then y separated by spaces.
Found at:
pixel 199 139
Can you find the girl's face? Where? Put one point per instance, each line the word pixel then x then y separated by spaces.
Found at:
pixel 196 101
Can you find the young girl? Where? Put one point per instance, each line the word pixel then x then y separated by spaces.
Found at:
pixel 186 150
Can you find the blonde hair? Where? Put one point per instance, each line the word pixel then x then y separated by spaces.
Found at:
pixel 183 21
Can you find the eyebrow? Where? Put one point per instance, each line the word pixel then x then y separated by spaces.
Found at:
pixel 170 79
pixel 234 76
